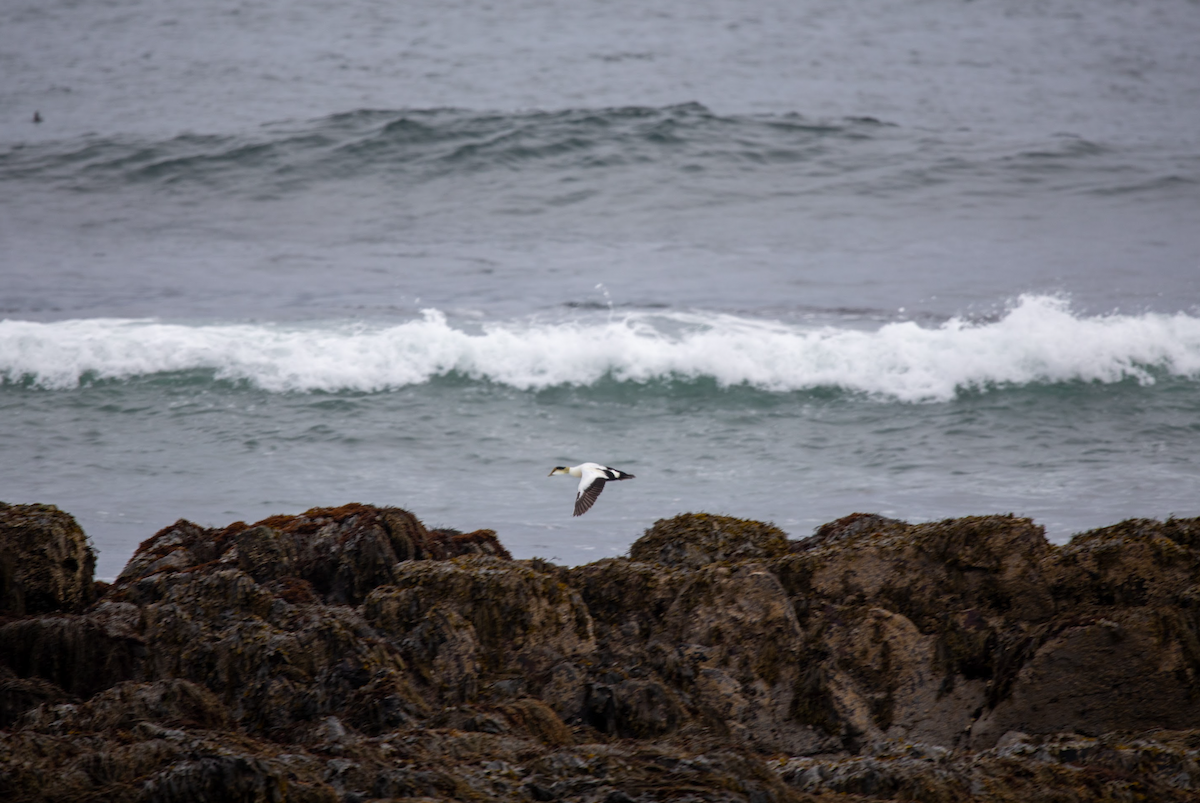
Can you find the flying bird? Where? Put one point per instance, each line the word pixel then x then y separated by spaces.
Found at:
pixel 592 477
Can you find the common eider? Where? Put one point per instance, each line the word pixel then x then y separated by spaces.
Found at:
pixel 592 477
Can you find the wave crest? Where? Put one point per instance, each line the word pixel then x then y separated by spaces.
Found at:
pixel 1038 340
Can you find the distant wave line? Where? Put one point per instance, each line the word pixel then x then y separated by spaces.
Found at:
pixel 439 143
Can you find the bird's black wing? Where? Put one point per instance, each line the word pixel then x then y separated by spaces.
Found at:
pixel 588 496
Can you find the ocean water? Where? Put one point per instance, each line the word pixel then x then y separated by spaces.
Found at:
pixel 783 260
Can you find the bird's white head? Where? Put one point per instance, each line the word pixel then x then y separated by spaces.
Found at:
pixel 559 470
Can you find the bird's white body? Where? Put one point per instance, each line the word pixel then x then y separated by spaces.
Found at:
pixel 592 477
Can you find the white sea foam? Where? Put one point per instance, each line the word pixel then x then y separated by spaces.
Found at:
pixel 1039 340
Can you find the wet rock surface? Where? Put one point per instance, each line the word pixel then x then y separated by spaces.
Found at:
pixel 46 563
pixel 351 654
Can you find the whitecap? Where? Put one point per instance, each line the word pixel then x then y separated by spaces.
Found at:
pixel 1038 340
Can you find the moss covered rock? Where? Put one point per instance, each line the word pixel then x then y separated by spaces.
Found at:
pixel 460 620
pixel 271 662
pixel 80 654
pixel 46 562
pixel 693 540
pixel 339 554
pixel 627 600
pixel 1126 671
pixel 350 653
pixel 171 703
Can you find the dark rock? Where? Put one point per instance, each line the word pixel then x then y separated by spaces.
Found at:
pixel 693 540
pixel 18 695
pixel 455 621
pixel 1134 563
pixel 637 709
pixel 1128 672
pixel 617 796
pixel 171 703
pixel 153 763
pixel 1060 768
pixel 909 624
pixel 216 778
pixel 351 654
pixel 539 721
pixel 46 563
pixel 453 544
pixel 337 554
pixel 80 654
pixel 626 600
pixel 846 528
pixel 273 663
pixel 739 651
pixel 540 792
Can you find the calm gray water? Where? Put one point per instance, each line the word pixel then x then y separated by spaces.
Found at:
pixel 781 260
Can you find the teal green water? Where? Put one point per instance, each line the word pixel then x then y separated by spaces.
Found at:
pixel 130 457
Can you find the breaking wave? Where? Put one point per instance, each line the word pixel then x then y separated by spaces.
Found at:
pixel 1038 340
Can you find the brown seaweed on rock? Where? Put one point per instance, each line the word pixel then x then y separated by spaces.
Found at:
pixel 46 563
pixel 341 553
pixel 351 654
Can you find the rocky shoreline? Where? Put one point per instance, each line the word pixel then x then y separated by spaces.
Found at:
pixel 351 654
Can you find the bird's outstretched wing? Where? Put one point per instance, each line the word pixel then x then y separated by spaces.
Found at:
pixel 590 486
